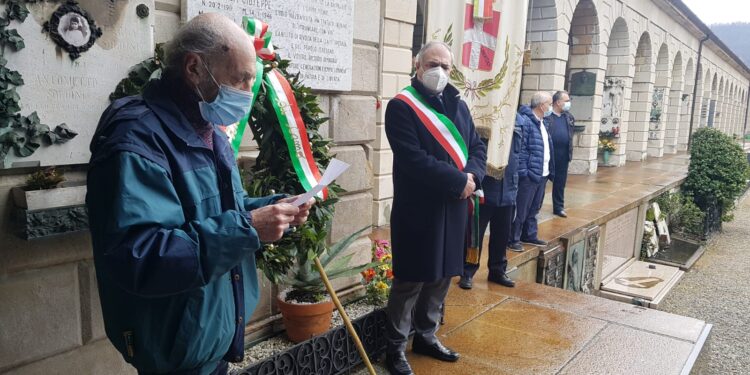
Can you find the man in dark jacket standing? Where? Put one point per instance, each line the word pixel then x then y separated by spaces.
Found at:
pixel 561 125
pixel 535 166
pixel 174 233
pixel 497 212
pixel 438 163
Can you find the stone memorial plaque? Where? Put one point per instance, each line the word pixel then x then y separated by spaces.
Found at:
pixel 317 35
pixel 583 84
pixel 551 267
pixel 619 240
pixel 642 280
pixel 588 281
pixel 574 266
pixel 76 91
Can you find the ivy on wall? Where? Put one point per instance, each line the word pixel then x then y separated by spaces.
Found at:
pixel 22 134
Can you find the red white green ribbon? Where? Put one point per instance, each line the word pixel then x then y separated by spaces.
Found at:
pixel 483 9
pixel 293 128
pixel 285 105
pixel 261 37
pixel 440 126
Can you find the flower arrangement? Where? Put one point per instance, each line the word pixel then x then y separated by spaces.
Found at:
pixel 610 134
pixel 607 145
pixel 378 278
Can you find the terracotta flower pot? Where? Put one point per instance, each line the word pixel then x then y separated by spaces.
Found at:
pixel 303 321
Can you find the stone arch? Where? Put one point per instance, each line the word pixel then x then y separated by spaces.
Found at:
pixel 640 106
pixel 706 97
pixel 659 103
pixel 617 88
pixel 584 77
pixel 730 104
pixel 546 39
pixel 674 106
pixel 686 102
pixel 719 112
pixel 713 94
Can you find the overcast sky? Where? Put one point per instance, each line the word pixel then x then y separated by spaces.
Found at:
pixel 720 11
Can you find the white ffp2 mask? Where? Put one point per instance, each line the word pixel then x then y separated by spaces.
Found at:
pixel 435 79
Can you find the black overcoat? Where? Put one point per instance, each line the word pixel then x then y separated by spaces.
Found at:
pixel 428 219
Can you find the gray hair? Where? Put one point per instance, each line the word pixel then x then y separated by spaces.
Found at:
pixel 539 98
pixel 430 45
pixel 206 35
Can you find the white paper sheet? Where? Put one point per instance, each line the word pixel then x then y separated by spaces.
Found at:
pixel 335 168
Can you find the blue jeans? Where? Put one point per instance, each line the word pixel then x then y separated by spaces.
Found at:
pixel 528 203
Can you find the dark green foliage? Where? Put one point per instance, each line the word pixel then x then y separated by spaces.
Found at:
pixel 48 178
pixel 691 218
pixel 681 213
pixel 718 170
pixel 273 172
pixel 22 134
pixel 139 75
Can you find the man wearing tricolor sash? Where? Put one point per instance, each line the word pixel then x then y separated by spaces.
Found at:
pixel 174 233
pixel 438 163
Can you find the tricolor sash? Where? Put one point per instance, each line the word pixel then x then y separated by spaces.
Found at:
pixel 446 134
pixel 439 125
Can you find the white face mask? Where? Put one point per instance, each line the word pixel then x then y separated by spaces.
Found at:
pixel 435 79
pixel 566 106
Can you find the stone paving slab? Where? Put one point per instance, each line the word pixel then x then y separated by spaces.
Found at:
pixel 535 329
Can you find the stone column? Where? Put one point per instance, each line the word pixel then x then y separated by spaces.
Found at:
pixel 399 18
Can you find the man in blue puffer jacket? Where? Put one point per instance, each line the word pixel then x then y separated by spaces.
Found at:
pixel 535 166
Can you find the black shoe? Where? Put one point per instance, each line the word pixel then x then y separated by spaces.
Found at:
pixel 397 364
pixel 561 213
pixel 503 280
pixel 466 282
pixel 436 350
pixel 535 242
pixel 517 247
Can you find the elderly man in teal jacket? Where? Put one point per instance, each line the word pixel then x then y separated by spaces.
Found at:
pixel 174 233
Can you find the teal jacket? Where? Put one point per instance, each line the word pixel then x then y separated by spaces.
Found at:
pixel 173 241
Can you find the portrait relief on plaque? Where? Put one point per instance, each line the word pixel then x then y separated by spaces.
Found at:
pixel 73 29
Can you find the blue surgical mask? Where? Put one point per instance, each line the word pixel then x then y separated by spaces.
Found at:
pixel 230 105
pixel 548 111
pixel 566 106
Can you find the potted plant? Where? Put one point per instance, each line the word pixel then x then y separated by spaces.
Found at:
pixel 45 189
pixel 291 260
pixel 607 147
pixel 305 308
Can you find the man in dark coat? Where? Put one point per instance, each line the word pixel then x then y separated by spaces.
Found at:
pixel 535 166
pixel 561 125
pixel 497 211
pixel 430 202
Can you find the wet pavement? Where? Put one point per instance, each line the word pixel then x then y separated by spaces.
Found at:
pixel 535 329
pixel 717 290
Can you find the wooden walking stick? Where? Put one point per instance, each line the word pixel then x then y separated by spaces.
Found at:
pixel 347 322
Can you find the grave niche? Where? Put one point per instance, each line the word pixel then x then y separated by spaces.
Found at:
pixel 71 85
pixel 612 104
pixel 657 112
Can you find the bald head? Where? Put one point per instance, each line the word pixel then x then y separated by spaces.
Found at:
pixel 213 43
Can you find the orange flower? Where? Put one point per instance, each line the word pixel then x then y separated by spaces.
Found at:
pixel 389 274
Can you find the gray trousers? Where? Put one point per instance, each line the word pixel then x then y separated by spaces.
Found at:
pixel 428 297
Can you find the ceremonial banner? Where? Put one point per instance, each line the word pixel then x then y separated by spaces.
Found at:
pixel 487 39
